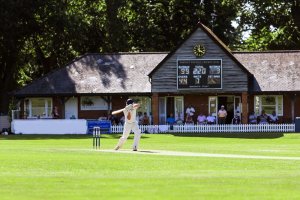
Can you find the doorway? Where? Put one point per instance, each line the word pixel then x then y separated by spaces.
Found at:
pixel 71 108
pixel 228 102
pixel 168 105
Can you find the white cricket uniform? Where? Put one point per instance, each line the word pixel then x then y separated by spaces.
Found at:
pixel 129 125
pixel 190 111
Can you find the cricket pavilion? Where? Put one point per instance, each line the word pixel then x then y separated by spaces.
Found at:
pixel 201 71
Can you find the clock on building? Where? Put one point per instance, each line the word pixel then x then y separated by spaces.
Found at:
pixel 199 50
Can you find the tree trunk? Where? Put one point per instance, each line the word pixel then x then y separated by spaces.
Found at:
pixel 4 103
pixel 8 81
pixel 296 14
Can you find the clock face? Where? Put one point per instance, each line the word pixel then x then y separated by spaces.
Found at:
pixel 199 50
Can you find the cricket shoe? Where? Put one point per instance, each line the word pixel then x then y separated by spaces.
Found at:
pixel 117 148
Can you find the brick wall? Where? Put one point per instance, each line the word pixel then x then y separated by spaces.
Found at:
pixel 199 102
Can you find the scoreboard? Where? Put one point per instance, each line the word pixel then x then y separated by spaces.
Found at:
pixel 199 73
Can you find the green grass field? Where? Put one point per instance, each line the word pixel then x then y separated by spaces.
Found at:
pixel 67 167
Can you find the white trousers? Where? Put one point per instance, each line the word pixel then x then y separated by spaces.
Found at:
pixel 127 129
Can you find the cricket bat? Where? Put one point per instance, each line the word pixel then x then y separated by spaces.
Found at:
pixel 128 107
pixel 117 111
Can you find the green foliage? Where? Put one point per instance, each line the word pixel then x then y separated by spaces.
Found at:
pixel 272 24
pixel 37 36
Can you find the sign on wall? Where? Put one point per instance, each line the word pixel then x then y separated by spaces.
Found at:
pixel 199 73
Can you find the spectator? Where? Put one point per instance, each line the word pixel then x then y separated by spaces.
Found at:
pixel 211 119
pixel 139 118
pixel 145 119
pixel 201 119
pixel 236 119
pixel 54 113
pixel 113 119
pixel 222 114
pixel 273 118
pixel 190 111
pixel 151 118
pixel 263 118
pixel 252 118
pixel 171 119
pixel 179 118
pixel 122 120
pixel 189 119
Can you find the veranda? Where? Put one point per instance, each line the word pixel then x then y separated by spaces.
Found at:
pixel 82 126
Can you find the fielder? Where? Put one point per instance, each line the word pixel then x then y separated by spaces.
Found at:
pixel 130 124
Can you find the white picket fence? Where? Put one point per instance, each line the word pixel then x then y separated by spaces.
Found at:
pixel 227 128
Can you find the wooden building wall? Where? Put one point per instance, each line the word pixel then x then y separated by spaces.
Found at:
pixel 234 79
pixel 199 102
pixel 117 102
pixel 297 106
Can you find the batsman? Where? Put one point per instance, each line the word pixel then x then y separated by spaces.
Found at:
pixel 130 124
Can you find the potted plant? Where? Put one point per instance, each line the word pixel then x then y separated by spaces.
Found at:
pixel 87 102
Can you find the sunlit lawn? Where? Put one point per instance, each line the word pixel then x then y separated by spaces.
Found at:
pixel 67 167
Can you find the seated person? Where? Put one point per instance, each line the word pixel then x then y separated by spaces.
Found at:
pixel 171 119
pixel 263 118
pixel 189 119
pixel 236 119
pixel 273 118
pixel 122 120
pixel 145 119
pixel 114 120
pixel 179 118
pixel 55 114
pixel 139 118
pixel 179 121
pixel 252 118
pixel 211 119
pixel 201 119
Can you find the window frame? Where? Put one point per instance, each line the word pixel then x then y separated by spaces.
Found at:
pixel 258 104
pixel 28 107
pixel 94 103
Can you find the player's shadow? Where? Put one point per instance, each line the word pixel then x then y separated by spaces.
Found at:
pixel 145 151
pixel 114 136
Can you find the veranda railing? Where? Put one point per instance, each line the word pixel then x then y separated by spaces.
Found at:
pixel 227 128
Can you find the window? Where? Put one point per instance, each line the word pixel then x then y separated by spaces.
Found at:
pixel 38 107
pixel 93 103
pixel 212 105
pixel 179 110
pixel 269 104
pixel 145 103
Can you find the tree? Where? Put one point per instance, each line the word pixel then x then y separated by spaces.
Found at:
pixel 14 17
pixel 42 35
pixel 37 36
pixel 272 24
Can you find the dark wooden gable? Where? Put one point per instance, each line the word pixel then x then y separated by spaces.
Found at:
pixel 235 76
